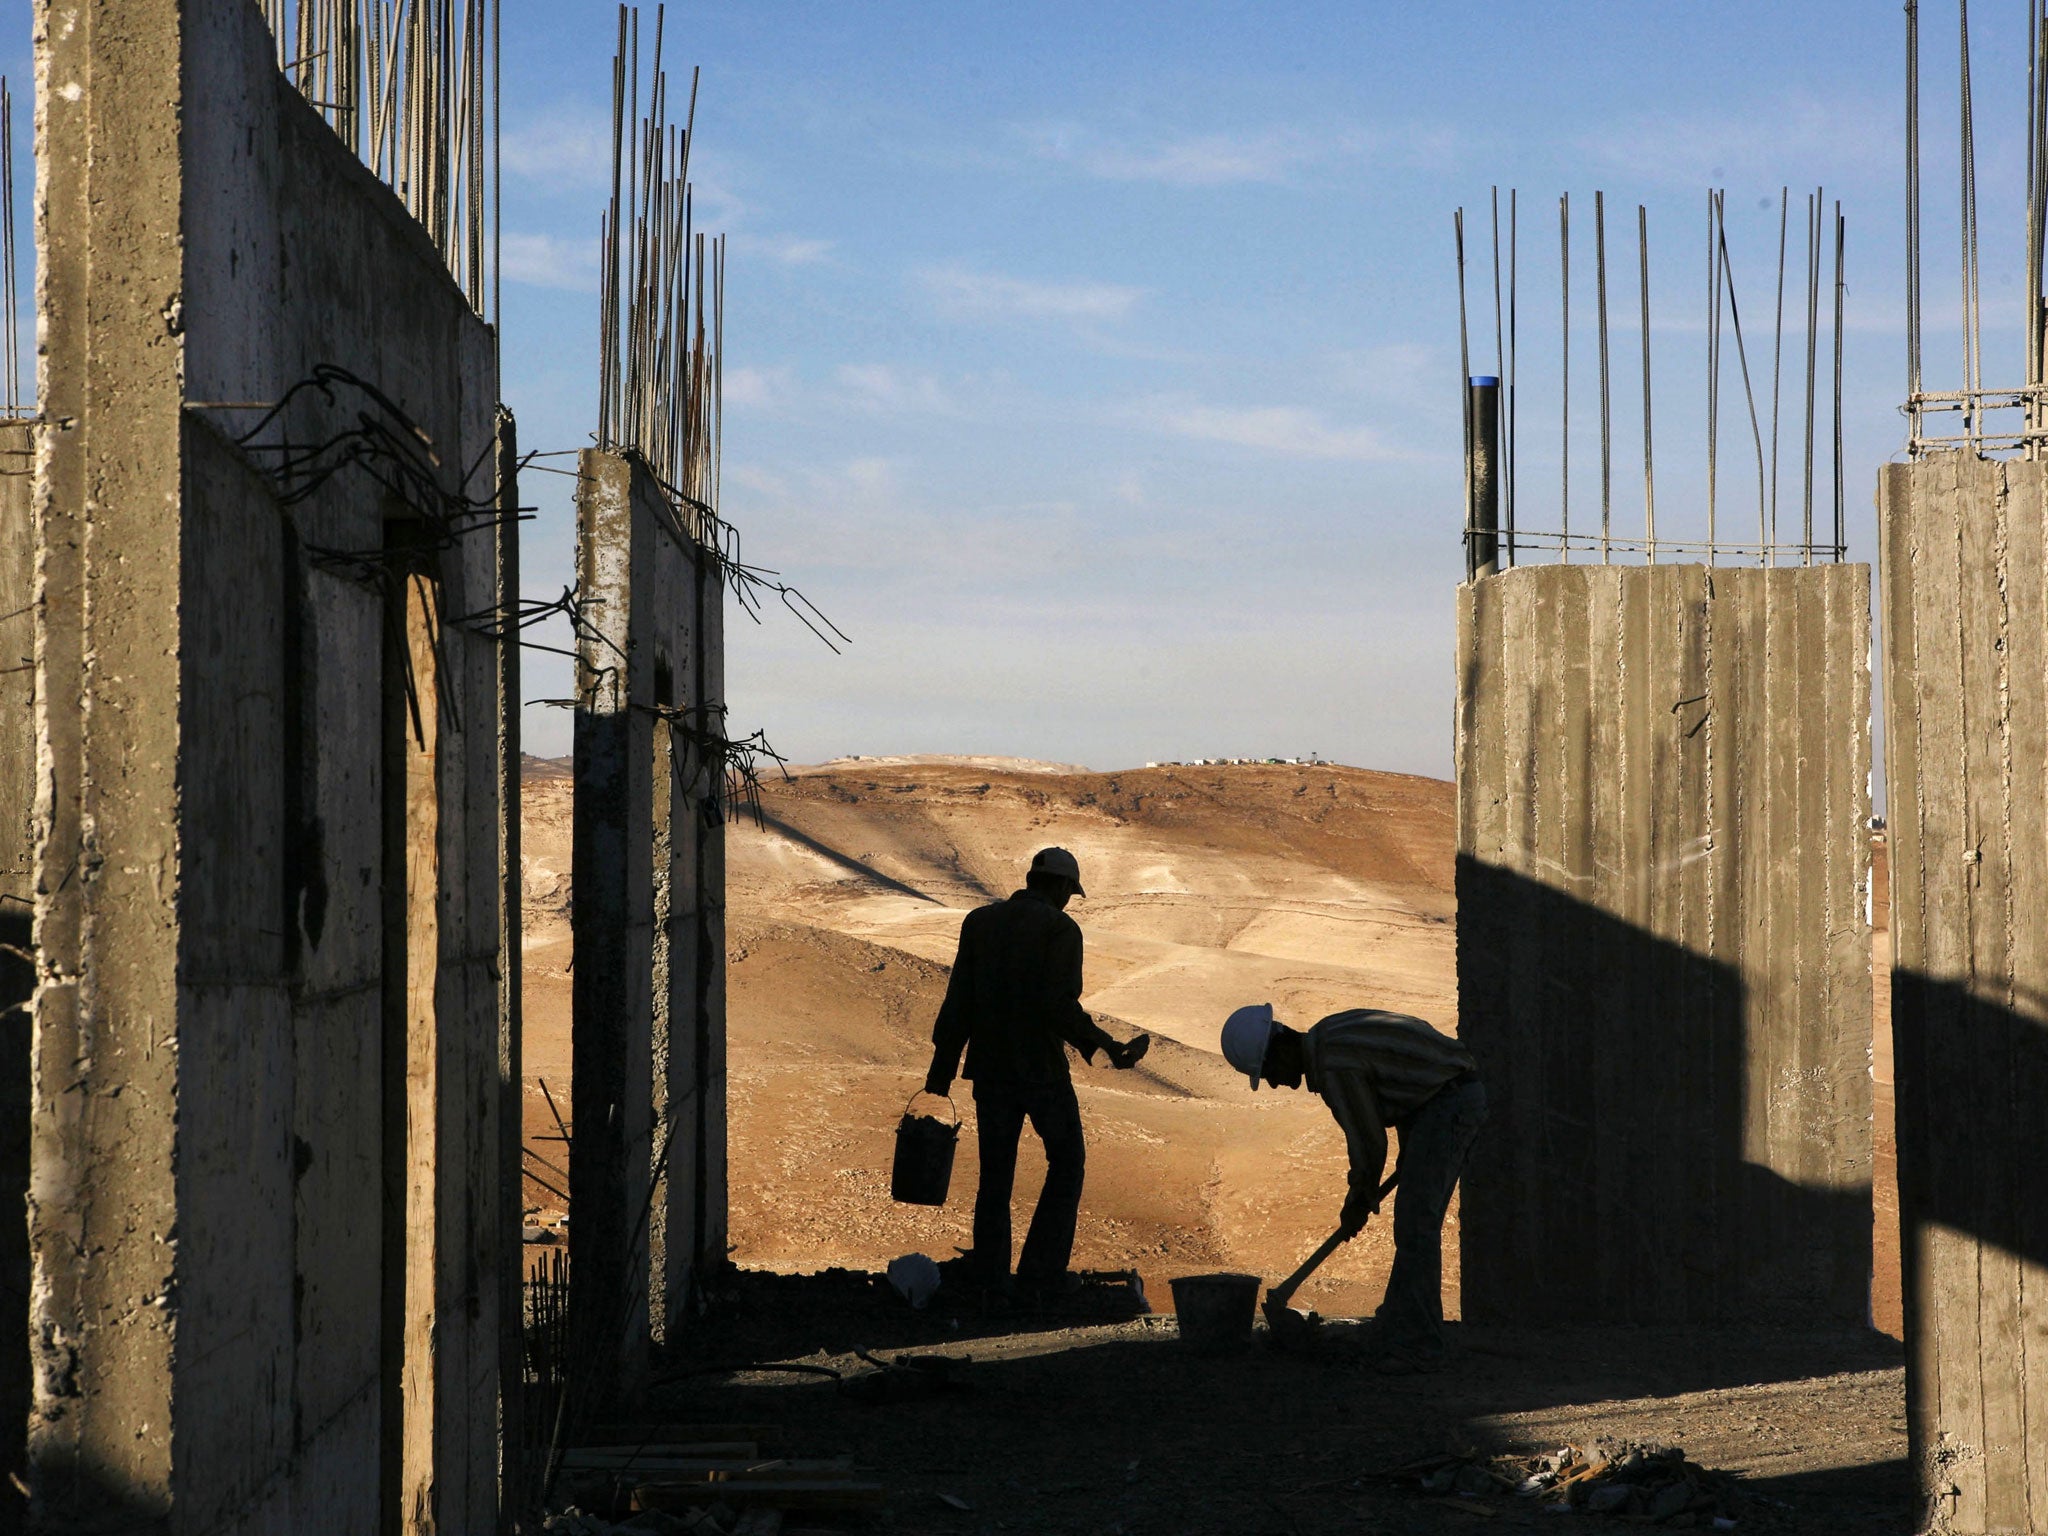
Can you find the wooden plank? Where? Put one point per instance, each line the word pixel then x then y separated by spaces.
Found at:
pixel 424 1148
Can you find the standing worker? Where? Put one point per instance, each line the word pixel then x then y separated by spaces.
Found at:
pixel 1376 1070
pixel 1014 1003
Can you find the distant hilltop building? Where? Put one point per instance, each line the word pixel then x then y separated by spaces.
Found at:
pixel 1313 760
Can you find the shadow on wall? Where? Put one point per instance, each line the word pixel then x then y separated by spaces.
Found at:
pixel 1611 1183
pixel 1972 1086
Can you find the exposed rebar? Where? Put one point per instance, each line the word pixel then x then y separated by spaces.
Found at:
pixel 9 294
pixel 411 86
pixel 661 290
pixel 1649 458
pixel 1606 403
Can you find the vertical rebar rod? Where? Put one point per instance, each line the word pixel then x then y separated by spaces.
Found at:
pixel 1500 358
pixel 2037 196
pixel 1777 365
pixel 1973 369
pixel 1840 293
pixel 1742 359
pixel 1606 400
pixel 1514 284
pixel 1649 457
pixel 1713 373
pixel 1464 389
pixel 1813 269
pixel 1564 251
pixel 12 317
pixel 2033 280
pixel 1913 424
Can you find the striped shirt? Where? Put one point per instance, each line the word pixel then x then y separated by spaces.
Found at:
pixel 1382 1066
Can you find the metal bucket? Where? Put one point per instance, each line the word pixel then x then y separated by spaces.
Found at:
pixel 923 1170
pixel 1215 1310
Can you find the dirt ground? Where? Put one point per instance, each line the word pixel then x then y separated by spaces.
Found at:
pixel 1314 888
pixel 1124 1429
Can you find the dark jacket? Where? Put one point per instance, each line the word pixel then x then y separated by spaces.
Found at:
pixel 1015 998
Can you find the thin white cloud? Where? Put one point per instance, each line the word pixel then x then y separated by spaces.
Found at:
pixel 548 261
pixel 1288 430
pixel 1271 156
pixel 758 389
pixel 884 390
pixel 961 293
pixel 1393 371
pixel 559 147
pixel 784 250
pixel 1763 144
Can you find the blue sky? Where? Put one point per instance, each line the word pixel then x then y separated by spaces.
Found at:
pixel 1095 366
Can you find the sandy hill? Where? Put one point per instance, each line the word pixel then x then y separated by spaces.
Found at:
pixel 1312 888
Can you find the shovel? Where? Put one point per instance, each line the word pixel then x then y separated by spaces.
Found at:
pixel 1289 1329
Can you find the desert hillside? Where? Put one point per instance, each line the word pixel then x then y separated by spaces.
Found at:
pixel 1314 888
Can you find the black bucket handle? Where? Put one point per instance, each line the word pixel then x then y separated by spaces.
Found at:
pixel 921 1093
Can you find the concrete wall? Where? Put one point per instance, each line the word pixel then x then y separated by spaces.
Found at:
pixel 1965 574
pixel 1663 951
pixel 17 971
pixel 267 1215
pixel 649 997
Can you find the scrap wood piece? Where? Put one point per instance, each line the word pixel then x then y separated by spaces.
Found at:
pixel 784 1493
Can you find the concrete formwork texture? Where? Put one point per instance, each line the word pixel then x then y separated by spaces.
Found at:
pixel 17 906
pixel 1965 580
pixel 1663 944
pixel 267 1216
pixel 647 1177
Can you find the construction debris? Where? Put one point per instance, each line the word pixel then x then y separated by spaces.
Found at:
pixel 1643 1484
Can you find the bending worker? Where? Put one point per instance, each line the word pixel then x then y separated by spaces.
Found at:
pixel 1376 1070
pixel 1014 1003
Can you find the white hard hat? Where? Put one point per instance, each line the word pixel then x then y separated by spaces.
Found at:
pixel 1057 861
pixel 1246 1034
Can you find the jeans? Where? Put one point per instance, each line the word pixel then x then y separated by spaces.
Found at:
pixel 1434 1141
pixel 1001 1110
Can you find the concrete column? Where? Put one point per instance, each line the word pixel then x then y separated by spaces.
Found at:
pixel 17 964
pixel 611 1063
pixel 1965 570
pixel 1663 945
pixel 649 1029
pixel 103 1218
pixel 512 1479
pixel 709 1243
pixel 210 1131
